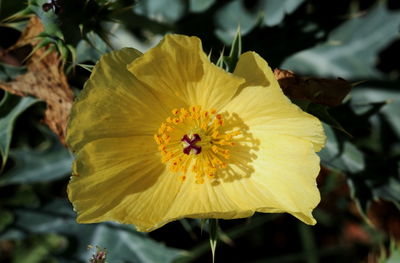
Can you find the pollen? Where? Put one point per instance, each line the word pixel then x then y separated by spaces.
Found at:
pixel 195 143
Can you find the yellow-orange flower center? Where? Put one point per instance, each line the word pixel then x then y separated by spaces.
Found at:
pixel 193 141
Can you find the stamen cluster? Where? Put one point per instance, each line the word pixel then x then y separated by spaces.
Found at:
pixel 193 141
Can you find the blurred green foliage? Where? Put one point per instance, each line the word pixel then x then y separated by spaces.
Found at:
pixel 356 40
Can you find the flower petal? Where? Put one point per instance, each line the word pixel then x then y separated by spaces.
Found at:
pixel 288 167
pixel 255 70
pixel 118 184
pixel 282 180
pixel 121 180
pixel 266 109
pixel 114 104
pixel 179 67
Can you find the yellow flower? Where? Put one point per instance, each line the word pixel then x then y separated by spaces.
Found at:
pixel 168 135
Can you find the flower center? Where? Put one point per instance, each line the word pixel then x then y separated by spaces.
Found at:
pixel 195 141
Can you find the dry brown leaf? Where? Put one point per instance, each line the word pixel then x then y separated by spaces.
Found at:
pixel 32 30
pixel 329 92
pixel 355 233
pixel 385 216
pixel 44 79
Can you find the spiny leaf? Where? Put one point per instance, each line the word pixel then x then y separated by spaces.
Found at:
pixel 123 243
pixel 198 6
pixel 274 11
pixel 10 107
pixel 21 15
pixel 220 62
pixel 168 10
pixel 352 49
pixel 86 66
pixel 19 26
pixel 322 113
pixel 50 161
pixel 6 218
pixel 235 52
pixel 232 15
pixel 343 156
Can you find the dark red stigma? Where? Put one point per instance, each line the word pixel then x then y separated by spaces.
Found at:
pixel 191 144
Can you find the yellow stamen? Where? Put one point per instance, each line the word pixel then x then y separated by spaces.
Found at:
pixel 192 140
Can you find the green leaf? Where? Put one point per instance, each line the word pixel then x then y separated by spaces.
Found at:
pixel 10 108
pixel 133 21
pixel 38 250
pixel 46 163
pixel 308 242
pixel 368 95
pixel 389 191
pixel 122 242
pixel 19 26
pixel 332 148
pixel 161 10
pixel 6 218
pixel 50 20
pixel 394 256
pixel 91 48
pixel 220 62
pixel 341 155
pixel 198 6
pixel 8 72
pixel 8 8
pixel 275 10
pixel 230 17
pixel 321 112
pixel 86 53
pixel 352 49
pixel 236 51
pixel 23 196
pixel 380 179
pixel 352 159
pixel 266 12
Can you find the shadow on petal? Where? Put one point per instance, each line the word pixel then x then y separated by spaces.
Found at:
pixel 243 153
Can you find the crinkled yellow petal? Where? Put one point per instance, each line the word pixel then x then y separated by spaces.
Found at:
pixel 123 180
pixel 118 184
pixel 281 179
pixel 178 67
pixel 288 166
pixel 115 104
pixel 255 70
pixel 111 130
pixel 267 109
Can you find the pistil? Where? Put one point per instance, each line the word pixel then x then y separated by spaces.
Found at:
pixel 189 144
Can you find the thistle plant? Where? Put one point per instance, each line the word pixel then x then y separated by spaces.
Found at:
pixel 66 23
pixel 181 127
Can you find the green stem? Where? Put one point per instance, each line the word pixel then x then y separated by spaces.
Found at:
pixel 213 232
pixel 308 241
pixel 236 232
